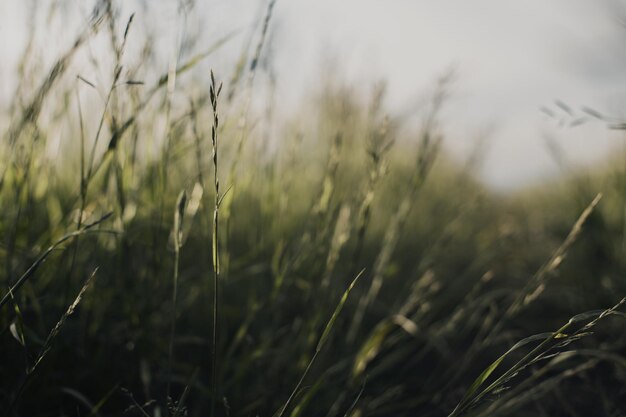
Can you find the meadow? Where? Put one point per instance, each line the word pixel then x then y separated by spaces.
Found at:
pixel 170 246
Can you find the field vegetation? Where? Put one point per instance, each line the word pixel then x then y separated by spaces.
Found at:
pixel 172 246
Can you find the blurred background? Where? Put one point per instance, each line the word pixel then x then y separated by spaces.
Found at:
pixel 511 61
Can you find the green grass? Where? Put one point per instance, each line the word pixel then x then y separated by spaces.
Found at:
pixel 229 289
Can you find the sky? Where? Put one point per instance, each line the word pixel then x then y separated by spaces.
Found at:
pixel 511 59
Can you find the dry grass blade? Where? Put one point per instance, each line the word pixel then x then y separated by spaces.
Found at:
pixel 57 328
pixel 535 286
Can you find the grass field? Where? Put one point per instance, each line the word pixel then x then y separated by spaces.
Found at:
pixel 177 248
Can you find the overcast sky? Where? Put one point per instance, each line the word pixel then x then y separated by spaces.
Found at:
pixel 511 58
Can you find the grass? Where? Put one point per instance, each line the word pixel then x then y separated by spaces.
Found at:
pixel 458 309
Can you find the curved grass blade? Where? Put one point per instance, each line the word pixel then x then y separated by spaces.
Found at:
pixel 320 344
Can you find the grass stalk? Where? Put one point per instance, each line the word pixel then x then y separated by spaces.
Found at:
pixel 47 344
pixel 214 91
